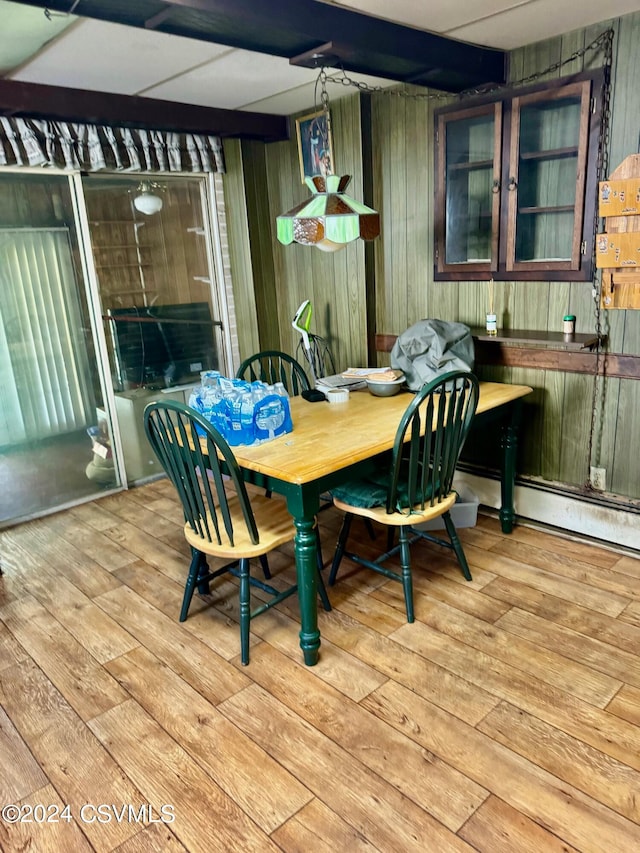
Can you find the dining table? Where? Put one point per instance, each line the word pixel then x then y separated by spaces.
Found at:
pixel 332 443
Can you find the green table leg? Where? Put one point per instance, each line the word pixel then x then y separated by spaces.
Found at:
pixel 306 569
pixel 508 479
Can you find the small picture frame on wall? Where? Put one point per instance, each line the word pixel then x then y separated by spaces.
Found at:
pixel 315 149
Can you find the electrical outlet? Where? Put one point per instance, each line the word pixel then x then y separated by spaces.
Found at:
pixel 599 478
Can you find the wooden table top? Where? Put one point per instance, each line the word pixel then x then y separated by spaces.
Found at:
pixel 327 437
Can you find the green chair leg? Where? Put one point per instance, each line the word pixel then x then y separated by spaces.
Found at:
pixel 342 541
pixel 203 571
pixel 319 558
pixel 322 592
pixel 245 610
pixel 456 544
pixel 407 581
pixel 264 562
pixel 192 579
pixel 370 530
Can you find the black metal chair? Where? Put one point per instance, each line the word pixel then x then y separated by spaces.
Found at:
pixel 220 520
pixel 418 485
pixel 273 366
pixel 318 356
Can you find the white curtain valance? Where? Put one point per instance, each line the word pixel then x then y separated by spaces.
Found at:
pixel 91 148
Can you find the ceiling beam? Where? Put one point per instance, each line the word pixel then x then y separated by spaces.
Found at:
pixel 82 105
pixel 289 28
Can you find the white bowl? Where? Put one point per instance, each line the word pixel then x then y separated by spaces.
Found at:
pixel 385 389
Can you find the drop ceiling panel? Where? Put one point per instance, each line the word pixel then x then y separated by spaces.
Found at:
pixel 237 78
pixel 114 58
pixel 288 102
pixel 541 19
pixel 505 24
pixel 307 97
pixel 25 30
pixel 437 16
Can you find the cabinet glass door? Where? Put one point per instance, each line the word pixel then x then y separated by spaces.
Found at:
pixel 546 178
pixel 469 189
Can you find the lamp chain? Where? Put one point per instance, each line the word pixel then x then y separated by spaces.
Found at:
pixel 602 173
pixel 324 100
pixel 601 42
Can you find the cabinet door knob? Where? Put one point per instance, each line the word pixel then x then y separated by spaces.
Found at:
pixel 512 183
pixel 496 186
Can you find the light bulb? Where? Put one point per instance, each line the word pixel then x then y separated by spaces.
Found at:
pixel 329 245
pixel 147 203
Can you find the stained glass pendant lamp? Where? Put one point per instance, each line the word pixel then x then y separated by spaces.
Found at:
pixel 330 218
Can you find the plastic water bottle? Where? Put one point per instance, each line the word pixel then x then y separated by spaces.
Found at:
pixel 206 398
pixel 195 400
pixel 234 408
pixel 210 378
pixel 270 416
pixel 247 406
pixel 281 391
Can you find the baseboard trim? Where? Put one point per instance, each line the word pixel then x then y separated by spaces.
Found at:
pixel 609 524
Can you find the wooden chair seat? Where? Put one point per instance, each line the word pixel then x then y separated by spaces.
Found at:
pixel 273 521
pixel 418 515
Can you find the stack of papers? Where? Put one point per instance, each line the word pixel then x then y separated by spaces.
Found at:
pixel 338 380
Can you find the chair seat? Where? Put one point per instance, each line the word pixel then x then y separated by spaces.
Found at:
pixel 400 519
pixel 274 523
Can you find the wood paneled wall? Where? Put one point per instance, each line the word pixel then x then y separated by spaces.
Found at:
pixel 245 283
pixel 558 415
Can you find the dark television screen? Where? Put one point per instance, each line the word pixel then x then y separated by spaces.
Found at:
pixel 163 345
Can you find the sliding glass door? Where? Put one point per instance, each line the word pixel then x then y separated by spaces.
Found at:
pixel 159 302
pixel 108 300
pixel 56 443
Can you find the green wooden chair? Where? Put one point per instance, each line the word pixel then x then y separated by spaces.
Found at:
pixel 220 520
pixel 417 484
pixel 273 366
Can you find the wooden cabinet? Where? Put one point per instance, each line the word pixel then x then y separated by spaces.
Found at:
pixel 515 183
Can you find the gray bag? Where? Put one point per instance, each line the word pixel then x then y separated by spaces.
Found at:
pixel 430 348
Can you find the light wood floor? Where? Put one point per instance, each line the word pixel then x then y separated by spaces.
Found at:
pixel 506 718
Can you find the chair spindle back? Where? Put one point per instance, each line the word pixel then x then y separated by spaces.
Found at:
pixel 430 437
pixel 177 434
pixel 273 366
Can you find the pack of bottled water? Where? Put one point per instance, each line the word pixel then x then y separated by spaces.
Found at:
pixel 243 412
